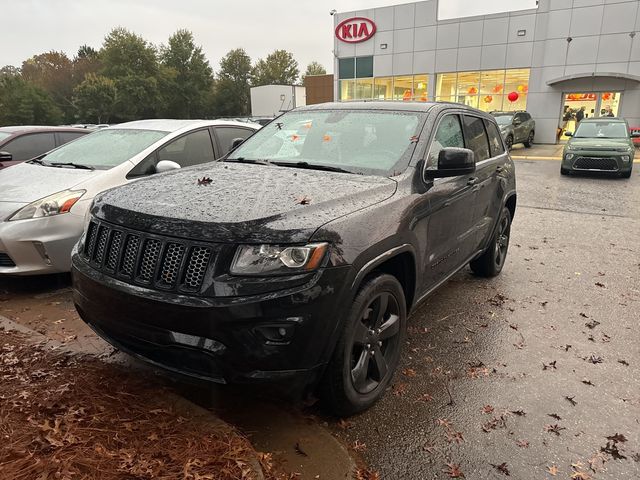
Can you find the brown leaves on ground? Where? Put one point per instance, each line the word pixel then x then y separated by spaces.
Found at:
pixel 79 418
pixel 303 200
pixel 552 470
pixel 204 181
pixel 399 389
pixel 366 474
pixel 502 468
pixel 554 429
pixel 409 372
pixel 453 471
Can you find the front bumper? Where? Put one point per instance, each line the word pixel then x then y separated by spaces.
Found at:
pixel 232 339
pixel 39 245
pixel 597 161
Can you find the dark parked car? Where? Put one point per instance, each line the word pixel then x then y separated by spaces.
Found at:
pixel 516 127
pixel 299 263
pixel 601 144
pixel 21 143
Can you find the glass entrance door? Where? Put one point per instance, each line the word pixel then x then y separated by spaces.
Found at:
pixel 578 106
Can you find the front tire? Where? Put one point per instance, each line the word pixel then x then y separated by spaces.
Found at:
pixel 509 142
pixel 368 351
pixel 564 171
pixel 490 263
pixel 626 174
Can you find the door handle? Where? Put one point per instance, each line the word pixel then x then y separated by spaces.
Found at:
pixel 472 181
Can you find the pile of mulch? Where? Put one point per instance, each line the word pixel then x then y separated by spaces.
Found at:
pixel 66 417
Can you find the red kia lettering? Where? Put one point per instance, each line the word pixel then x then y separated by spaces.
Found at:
pixel 355 30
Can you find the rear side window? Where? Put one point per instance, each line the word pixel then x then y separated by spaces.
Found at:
pixel 449 134
pixel 68 136
pixel 226 136
pixel 476 137
pixel 495 143
pixel 26 147
pixel 191 149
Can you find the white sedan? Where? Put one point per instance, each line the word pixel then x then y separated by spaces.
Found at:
pixel 43 202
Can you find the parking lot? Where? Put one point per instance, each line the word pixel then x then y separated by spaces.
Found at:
pixel 533 374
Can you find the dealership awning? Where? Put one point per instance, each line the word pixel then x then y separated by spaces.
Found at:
pixel 626 76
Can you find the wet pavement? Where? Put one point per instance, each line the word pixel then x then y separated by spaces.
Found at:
pixel 526 374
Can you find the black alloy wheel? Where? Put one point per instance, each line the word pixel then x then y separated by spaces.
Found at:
pixel 375 342
pixel 491 262
pixel 529 141
pixel 368 351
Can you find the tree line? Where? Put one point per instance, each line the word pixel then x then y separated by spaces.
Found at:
pixel 129 78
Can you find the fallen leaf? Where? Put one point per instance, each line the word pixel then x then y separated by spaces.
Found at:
pixel 623 362
pixel 554 415
pixel 554 429
pixel 400 389
pixel 303 200
pixel 601 285
pixel 587 382
pixel 487 409
pixel 553 470
pixel 300 451
pixel 358 446
pixel 409 372
pixel 425 397
pixel 523 443
pixel 204 181
pixel 549 366
pixel 502 468
pixel 453 471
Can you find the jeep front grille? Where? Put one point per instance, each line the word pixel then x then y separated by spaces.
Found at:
pixel 148 260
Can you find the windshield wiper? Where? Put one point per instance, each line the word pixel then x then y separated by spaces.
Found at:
pixel 312 166
pixel 70 164
pixel 39 161
pixel 247 160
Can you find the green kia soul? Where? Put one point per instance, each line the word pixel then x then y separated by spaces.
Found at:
pixel 599 145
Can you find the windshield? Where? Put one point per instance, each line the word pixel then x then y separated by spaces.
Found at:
pixel 4 135
pixel 602 130
pixel 104 149
pixel 504 119
pixel 366 142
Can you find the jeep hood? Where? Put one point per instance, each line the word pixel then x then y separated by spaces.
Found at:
pixel 242 203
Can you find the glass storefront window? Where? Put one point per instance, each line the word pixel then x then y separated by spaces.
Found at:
pixel 403 88
pixel 347 90
pixel 346 68
pixel 383 87
pixel 488 90
pixel 446 86
pixel 364 67
pixel 420 88
pixel 364 88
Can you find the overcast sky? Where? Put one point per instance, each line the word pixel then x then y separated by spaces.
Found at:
pixel 303 27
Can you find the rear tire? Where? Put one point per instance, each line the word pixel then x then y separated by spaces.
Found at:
pixel 490 263
pixel 368 351
pixel 529 140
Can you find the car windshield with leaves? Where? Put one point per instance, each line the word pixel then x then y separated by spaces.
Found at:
pixel 354 141
pixel 602 130
pixel 103 149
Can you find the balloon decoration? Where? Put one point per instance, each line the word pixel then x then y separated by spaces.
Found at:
pixel 472 91
pixel 488 99
pixel 607 96
pixel 497 88
pixel 513 96
pixel 523 88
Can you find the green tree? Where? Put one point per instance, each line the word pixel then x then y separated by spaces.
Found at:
pixel 95 98
pixel 53 73
pixel 86 61
pixel 186 77
pixel 131 62
pixel 22 103
pixel 279 68
pixel 314 68
pixel 232 96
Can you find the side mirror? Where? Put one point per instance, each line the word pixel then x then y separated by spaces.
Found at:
pixel 166 166
pixel 236 143
pixel 568 134
pixel 517 122
pixel 5 157
pixel 453 162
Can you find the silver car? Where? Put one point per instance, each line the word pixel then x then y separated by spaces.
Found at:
pixel 43 202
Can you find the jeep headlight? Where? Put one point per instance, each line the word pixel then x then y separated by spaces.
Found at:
pixel 277 260
pixel 55 204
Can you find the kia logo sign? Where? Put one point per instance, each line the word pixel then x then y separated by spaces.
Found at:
pixel 355 30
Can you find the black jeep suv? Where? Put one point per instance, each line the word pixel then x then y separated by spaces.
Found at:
pixel 298 257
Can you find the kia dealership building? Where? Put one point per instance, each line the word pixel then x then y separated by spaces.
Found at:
pixel 564 54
